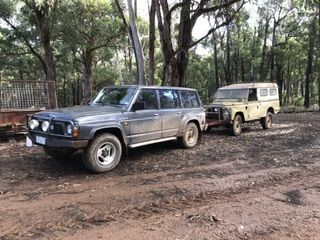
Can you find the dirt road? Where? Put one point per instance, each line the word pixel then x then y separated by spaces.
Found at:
pixel 261 185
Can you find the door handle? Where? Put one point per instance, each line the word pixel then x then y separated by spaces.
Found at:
pixel 156 114
pixel 179 113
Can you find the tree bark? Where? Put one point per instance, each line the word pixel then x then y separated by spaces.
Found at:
pixel 151 41
pixel 178 59
pixel 309 63
pixel 216 66
pixel 228 58
pixel 319 54
pixel 136 44
pixel 87 74
pixel 264 48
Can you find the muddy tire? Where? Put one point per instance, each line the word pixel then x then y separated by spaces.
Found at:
pixel 266 121
pixel 236 126
pixel 191 136
pixel 103 153
pixel 58 153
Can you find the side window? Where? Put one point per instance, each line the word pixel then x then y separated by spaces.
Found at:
pixel 273 92
pixel 169 99
pixel 263 92
pixel 186 101
pixel 252 94
pixel 149 98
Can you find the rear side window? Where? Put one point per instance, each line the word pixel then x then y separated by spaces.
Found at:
pixel 273 92
pixel 169 99
pixel 149 98
pixel 263 92
pixel 189 99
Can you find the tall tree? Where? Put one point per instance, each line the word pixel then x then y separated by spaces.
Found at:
pixel 39 14
pixel 93 27
pixel 189 14
pixel 309 69
pixel 152 14
pixel 134 37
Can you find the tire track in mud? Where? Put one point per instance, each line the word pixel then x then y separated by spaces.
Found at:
pixel 161 200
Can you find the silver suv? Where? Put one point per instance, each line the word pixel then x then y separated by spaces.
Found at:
pixel 117 119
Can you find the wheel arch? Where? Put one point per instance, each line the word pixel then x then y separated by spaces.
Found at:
pixel 195 121
pixel 241 115
pixel 112 130
pixel 270 109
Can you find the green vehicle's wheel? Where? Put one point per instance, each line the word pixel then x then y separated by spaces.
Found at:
pixel 266 121
pixel 236 127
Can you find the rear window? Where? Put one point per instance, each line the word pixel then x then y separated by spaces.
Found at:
pixel 189 99
pixel 273 92
pixel 263 92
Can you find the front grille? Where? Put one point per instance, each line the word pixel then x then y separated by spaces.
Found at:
pixel 213 113
pixel 213 116
pixel 57 128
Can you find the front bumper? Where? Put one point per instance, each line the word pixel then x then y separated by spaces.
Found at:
pixel 53 141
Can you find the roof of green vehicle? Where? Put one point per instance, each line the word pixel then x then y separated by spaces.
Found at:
pixel 250 85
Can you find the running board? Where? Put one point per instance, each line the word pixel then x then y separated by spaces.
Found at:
pixel 152 141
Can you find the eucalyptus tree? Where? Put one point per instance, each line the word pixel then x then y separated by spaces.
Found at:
pixel 32 22
pixel 92 30
pixel 176 59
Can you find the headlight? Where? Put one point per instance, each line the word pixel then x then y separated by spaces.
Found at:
pixel 45 126
pixel 33 124
pixel 226 114
pixel 69 129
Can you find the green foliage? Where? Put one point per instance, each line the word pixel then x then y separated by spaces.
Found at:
pixel 80 27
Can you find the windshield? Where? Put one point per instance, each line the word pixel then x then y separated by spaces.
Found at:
pixel 115 96
pixel 232 94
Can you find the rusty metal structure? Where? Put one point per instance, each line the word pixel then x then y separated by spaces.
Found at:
pixel 20 98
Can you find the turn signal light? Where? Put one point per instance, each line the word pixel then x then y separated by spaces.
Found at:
pixel 75 132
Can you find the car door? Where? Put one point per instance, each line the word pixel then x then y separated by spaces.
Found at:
pixel 170 112
pixel 253 105
pixel 145 123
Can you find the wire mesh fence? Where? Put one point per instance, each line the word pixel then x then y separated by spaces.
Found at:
pixel 24 95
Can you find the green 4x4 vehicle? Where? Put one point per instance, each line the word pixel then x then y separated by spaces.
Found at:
pixel 237 104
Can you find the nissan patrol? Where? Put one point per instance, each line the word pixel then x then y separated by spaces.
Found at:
pixel 120 117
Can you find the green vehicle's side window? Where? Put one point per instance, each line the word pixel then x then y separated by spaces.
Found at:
pixel 252 95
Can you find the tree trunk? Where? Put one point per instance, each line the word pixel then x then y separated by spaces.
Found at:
pixel 288 84
pixel 228 60
pixel 279 81
pixel 184 41
pixel 151 41
pixel 309 63
pixel 166 44
pixel 242 71
pixel 264 47
pixel 216 66
pixel 319 55
pixel 136 45
pixel 253 67
pixel 45 36
pixel 87 74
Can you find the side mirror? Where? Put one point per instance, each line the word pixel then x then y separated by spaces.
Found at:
pixel 138 105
